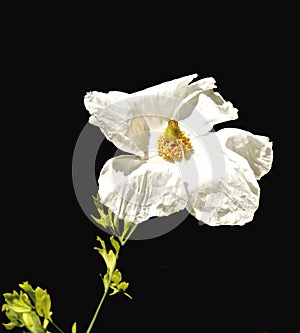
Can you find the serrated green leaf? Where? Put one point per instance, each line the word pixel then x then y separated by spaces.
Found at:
pixel 43 303
pixel 19 306
pixel 109 258
pixel 28 290
pixel 10 297
pixel 116 277
pixel 97 201
pixel 102 243
pixel 115 244
pixel 105 220
pixel 95 219
pixel 32 322
pixel 74 328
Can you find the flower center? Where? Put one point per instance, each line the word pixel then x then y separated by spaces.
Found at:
pixel 173 144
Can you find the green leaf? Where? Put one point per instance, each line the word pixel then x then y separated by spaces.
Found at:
pixel 43 303
pixel 95 219
pixel 128 295
pixel 32 322
pixel 116 223
pixel 28 290
pixel 45 323
pixel 46 305
pixel 97 201
pixel 109 214
pixel 117 285
pixel 116 277
pixel 113 223
pixel 123 286
pixel 12 315
pixel 115 244
pixel 11 325
pixel 4 307
pixel 109 258
pixel 20 303
pixel 105 280
pixel 127 226
pixel 115 290
pixel 74 328
pixel 105 219
pixel 10 297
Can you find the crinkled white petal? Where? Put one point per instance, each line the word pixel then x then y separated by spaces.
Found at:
pixel 162 102
pixel 119 120
pixel 128 119
pixel 136 189
pixel 210 109
pixel 179 88
pixel 256 149
pixel 225 190
pixel 95 100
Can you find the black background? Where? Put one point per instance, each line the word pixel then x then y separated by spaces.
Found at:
pixel 225 279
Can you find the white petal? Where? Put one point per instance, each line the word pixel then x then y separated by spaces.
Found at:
pixel 95 100
pixel 208 109
pixel 165 99
pixel 128 119
pixel 179 88
pixel 215 109
pixel 136 189
pixel 256 149
pixel 118 118
pixel 225 190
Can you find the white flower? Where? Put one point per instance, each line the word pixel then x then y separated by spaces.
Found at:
pixel 176 160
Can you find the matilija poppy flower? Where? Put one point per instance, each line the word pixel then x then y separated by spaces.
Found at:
pixel 176 160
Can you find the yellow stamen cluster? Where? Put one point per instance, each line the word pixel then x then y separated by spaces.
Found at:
pixel 173 144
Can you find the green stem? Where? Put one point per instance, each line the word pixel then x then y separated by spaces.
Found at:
pixel 103 297
pixel 57 327
pixel 123 242
pixel 99 307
